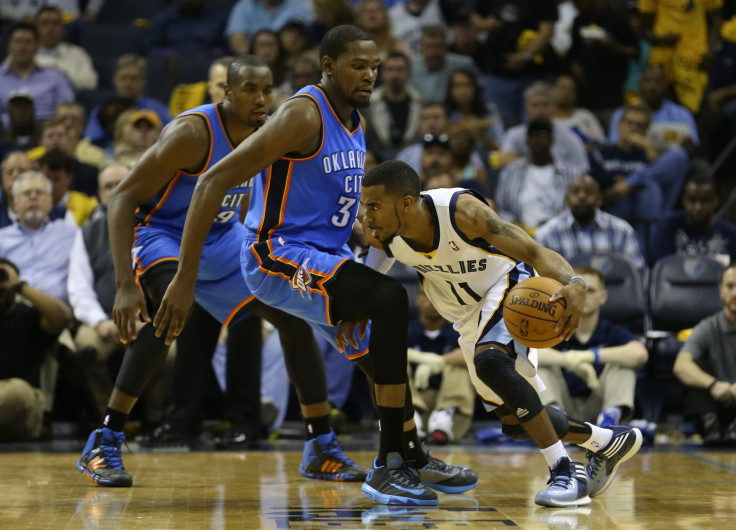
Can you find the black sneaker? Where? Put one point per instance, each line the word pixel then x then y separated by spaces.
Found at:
pixel 602 466
pixel 447 478
pixel 397 483
pixel 102 461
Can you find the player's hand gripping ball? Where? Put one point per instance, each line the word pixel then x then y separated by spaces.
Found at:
pixel 529 315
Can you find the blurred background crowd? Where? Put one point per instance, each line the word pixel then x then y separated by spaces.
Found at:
pixel 605 128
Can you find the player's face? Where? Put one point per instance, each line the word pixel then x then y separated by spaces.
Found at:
pixel 354 72
pixel 381 218
pixel 252 95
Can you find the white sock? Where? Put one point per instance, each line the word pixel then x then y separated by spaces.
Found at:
pixel 554 453
pixel 600 438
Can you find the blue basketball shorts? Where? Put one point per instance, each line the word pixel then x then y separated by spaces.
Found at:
pixel 294 277
pixel 220 288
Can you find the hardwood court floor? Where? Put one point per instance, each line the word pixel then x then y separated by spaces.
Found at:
pixel 263 489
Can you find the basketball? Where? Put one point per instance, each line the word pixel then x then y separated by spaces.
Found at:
pixel 529 315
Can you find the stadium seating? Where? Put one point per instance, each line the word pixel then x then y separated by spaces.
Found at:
pixel 626 303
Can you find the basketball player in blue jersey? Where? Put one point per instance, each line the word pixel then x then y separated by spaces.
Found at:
pixel 468 259
pixel 295 255
pixel 162 183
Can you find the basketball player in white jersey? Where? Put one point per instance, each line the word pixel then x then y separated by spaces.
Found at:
pixel 468 259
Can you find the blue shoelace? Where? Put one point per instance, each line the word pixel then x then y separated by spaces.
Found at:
pixel 335 449
pixel 111 451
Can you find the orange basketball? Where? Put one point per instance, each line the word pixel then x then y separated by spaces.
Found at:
pixel 529 315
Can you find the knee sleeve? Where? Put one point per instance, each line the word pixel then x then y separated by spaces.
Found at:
pixel 496 369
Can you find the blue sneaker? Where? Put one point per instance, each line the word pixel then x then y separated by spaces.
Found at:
pixel 446 478
pixel 602 466
pixel 609 417
pixel 327 461
pixel 568 486
pixel 397 483
pixel 102 460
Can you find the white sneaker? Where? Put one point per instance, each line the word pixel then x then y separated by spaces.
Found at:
pixel 440 425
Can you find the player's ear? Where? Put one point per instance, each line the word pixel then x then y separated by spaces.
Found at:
pixel 327 65
pixel 228 91
pixel 407 202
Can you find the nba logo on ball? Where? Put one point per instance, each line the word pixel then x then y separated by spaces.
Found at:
pixel 529 315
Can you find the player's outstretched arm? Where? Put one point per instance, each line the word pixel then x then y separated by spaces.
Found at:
pixel 183 145
pixel 476 220
pixel 295 128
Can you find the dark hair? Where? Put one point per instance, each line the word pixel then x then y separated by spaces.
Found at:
pixel 398 177
pixel 477 105
pixel 56 159
pixel 235 70
pixel 4 261
pixel 24 26
pixel 539 125
pixel 45 8
pixel 591 271
pixel 336 40
pixel 700 180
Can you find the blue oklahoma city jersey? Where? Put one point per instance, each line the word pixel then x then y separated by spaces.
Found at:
pixel 319 206
pixel 169 207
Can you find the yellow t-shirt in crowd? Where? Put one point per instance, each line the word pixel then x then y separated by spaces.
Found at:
pixel 686 18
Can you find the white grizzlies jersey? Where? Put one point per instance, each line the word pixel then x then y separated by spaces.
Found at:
pixel 457 273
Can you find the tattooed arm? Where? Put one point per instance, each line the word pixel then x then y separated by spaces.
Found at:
pixel 476 220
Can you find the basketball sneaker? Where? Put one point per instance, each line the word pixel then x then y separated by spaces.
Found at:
pixel 324 459
pixel 568 486
pixel 102 461
pixel 602 466
pixel 397 483
pixel 446 478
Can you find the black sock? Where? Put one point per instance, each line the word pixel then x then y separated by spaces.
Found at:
pixel 413 449
pixel 114 420
pixel 317 426
pixel 392 432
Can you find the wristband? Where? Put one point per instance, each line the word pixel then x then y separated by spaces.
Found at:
pixel 710 386
pixel 597 355
pixel 579 278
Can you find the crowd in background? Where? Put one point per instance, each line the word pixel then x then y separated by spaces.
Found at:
pixel 602 127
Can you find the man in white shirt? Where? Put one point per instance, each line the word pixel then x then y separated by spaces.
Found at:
pixel 52 52
pixel 531 190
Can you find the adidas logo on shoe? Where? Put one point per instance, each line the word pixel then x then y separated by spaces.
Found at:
pixel 520 413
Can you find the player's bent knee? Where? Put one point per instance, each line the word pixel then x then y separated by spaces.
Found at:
pixel 496 369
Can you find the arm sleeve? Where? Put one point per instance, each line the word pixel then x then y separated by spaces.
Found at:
pixel 82 296
pixel 378 260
